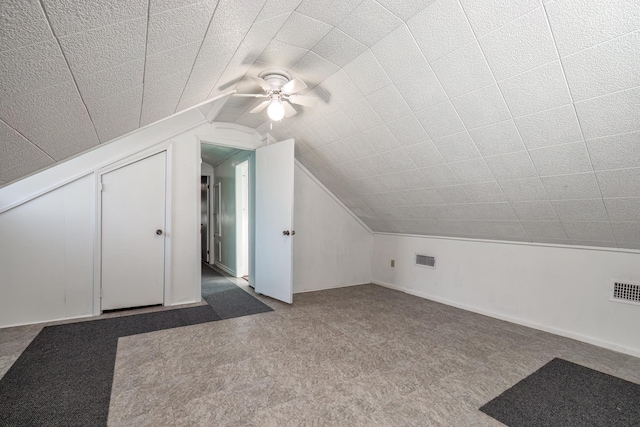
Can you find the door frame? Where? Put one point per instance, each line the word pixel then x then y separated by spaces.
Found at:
pixel 97 259
pixel 242 249
pixel 242 140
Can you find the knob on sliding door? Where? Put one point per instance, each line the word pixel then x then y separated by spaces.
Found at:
pixel 158 232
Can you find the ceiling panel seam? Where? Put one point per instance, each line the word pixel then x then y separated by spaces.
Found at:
pixel 144 64
pixel 215 85
pixel 466 130
pixel 73 77
pixel 27 139
pixel 257 56
pixel 573 105
pixel 377 115
pixel 332 28
pixel 517 130
pixel 195 59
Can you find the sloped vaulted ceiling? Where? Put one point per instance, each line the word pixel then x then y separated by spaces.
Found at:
pixel 499 119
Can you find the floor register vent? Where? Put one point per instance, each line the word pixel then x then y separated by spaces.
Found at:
pixel 625 292
pixel 426 261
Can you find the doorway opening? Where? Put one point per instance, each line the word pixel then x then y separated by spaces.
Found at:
pixel 226 185
pixel 250 216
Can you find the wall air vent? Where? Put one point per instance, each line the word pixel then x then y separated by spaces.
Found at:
pixel 426 261
pixel 625 292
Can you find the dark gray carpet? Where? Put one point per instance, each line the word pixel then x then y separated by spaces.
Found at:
pixel 64 376
pixel 564 394
pixel 227 299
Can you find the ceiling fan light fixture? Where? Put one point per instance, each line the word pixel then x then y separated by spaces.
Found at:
pixel 275 111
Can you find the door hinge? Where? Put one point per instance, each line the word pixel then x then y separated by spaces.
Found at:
pixel 101 187
pixel 100 293
pixel 207 252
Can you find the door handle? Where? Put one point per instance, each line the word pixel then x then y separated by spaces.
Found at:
pixel 158 232
pixel 293 232
pixel 286 232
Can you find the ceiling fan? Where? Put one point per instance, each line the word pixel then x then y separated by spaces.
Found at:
pixel 281 90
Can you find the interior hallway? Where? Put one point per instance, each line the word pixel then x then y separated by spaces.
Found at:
pixel 361 355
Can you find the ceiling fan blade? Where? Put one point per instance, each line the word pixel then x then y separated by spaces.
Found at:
pixel 295 85
pixel 261 82
pixel 307 101
pixel 251 95
pixel 260 106
pixel 288 109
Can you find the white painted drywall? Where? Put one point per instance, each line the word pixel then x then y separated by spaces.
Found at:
pixel 46 256
pixel 48 223
pixel 47 247
pixel 185 229
pixel 558 289
pixel 48 226
pixel 331 247
pixel 225 174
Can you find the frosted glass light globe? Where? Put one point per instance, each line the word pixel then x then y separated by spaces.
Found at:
pixel 275 111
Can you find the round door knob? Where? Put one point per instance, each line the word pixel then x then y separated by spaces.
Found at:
pixel 293 232
pixel 286 232
pixel 158 232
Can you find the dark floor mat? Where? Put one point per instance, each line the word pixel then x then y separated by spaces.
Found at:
pixel 64 376
pixel 227 299
pixel 562 393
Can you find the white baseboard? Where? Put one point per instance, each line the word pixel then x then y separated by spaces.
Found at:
pixel 329 287
pixel 540 327
pixel 224 268
pixel 60 319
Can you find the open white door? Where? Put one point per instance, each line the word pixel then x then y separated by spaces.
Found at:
pixel 274 220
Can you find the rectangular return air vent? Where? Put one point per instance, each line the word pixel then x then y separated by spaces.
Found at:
pixel 425 261
pixel 625 292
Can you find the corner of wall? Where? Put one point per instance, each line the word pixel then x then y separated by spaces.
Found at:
pixel 332 246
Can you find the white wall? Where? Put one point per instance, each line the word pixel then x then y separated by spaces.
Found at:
pixel 48 227
pixel 47 248
pixel 331 248
pixel 558 289
pixel 46 256
pixel 48 224
pixel 185 221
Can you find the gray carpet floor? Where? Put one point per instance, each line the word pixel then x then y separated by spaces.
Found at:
pixel 64 377
pixel 566 394
pixel 226 298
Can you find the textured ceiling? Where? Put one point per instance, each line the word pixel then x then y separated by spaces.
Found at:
pixel 214 154
pixel 499 119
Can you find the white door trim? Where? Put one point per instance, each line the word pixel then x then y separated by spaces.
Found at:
pixel 249 141
pixel 97 259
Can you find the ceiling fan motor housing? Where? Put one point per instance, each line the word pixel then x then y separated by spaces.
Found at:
pixel 275 78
